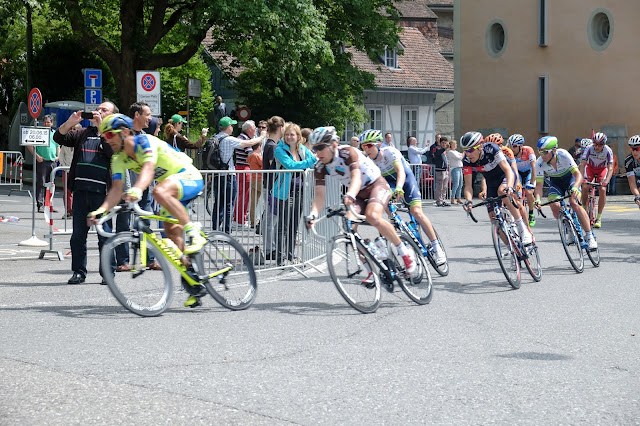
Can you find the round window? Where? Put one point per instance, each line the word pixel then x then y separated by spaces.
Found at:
pixel 496 38
pixel 600 29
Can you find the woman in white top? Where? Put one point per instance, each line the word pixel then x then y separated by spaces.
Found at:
pixel 455 165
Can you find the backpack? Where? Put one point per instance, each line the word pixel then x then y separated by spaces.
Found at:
pixel 212 155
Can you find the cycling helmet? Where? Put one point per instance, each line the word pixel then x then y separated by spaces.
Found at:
pixel 323 135
pixel 585 143
pixel 600 138
pixel 548 142
pixel 371 136
pixel 516 140
pixel 494 138
pixel 471 139
pixel 634 140
pixel 114 123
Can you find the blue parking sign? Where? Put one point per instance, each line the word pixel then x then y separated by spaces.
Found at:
pixel 93 96
pixel 92 78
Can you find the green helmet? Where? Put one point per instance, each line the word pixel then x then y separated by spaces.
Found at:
pixel 370 136
pixel 113 122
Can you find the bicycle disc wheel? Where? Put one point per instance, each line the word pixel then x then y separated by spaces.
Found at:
pixel 594 256
pixel 418 286
pixel 442 270
pixel 532 262
pixel 235 289
pixel 349 267
pixel 143 291
pixel 571 244
pixel 506 256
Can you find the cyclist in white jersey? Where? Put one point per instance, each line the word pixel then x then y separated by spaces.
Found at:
pixel 564 176
pixel 632 167
pixel 398 174
pixel 367 190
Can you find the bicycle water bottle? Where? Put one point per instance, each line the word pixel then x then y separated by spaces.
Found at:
pixel 10 219
pixel 413 227
pixel 382 250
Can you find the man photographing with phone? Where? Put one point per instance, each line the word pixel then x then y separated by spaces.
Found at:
pixel 89 178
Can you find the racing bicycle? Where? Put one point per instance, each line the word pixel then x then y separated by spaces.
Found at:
pixel 222 266
pixel 358 272
pixel 507 244
pixel 592 212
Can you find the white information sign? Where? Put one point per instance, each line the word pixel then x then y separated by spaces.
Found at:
pixel 148 90
pixel 35 136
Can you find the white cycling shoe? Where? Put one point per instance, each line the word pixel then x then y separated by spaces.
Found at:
pixel 439 256
pixel 592 244
pixel 526 238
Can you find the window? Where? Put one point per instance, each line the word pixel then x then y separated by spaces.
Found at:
pixel 542 23
pixel 410 122
pixel 390 58
pixel 375 122
pixel 349 131
pixel 543 104
pixel 600 29
pixel 496 38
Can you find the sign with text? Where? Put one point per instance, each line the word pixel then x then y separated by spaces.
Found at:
pixel 35 136
pixel 195 88
pixel 92 98
pixel 148 90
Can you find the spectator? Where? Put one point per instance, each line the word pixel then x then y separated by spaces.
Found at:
pixel 576 150
pixel 154 126
pixel 225 185
pixel 176 140
pixel 244 179
pixel 388 140
pixel 354 142
pixel 66 155
pixel 455 166
pixel 89 179
pixel 255 163
pixel 291 155
pixel 219 111
pixel 46 158
pixel 275 129
pixel 442 175
pixel 415 156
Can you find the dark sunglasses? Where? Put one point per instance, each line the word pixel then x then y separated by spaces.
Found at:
pixel 319 147
pixel 635 148
pixel 598 143
pixel 262 127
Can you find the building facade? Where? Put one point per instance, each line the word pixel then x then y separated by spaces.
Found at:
pixel 543 67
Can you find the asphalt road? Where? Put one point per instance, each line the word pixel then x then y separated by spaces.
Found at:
pixel 562 351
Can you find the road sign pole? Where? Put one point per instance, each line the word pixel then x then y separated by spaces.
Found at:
pixel 188 120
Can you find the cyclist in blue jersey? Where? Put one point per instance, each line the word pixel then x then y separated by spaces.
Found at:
pixel 564 176
pixel 398 174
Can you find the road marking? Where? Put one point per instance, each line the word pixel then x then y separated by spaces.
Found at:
pixel 619 209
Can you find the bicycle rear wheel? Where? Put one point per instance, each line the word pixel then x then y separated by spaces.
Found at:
pixel 235 289
pixel 594 255
pixel 143 291
pixel 506 255
pixel 571 243
pixel 442 270
pixel 418 286
pixel 349 268
pixel 532 262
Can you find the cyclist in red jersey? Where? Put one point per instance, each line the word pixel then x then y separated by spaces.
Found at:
pixel 597 163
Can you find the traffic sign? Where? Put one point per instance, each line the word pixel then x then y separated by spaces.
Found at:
pixel 148 89
pixel 35 136
pixel 35 103
pixel 194 88
pixel 92 78
pixel 92 97
pixel 243 113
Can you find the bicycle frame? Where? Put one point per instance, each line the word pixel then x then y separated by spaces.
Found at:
pixel 402 226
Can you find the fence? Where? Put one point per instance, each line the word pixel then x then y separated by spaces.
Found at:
pixel 11 169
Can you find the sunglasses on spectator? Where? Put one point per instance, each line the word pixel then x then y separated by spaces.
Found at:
pixel 544 151
pixel 470 150
pixel 635 148
pixel 319 147
pixel 111 134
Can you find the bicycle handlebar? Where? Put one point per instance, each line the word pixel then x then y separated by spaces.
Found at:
pixel 484 203
pixel 335 211
pixel 114 211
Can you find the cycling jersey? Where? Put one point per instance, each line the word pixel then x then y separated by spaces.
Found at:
pixel 524 159
pixel 597 160
pixel 632 166
pixel 561 177
pixel 508 154
pixel 169 163
pixel 488 164
pixel 386 160
pixel 345 159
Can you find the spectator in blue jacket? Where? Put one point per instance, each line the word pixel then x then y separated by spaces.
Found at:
pixel 290 154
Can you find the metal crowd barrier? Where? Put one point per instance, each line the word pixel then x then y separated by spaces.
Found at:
pixel 11 169
pixel 425 175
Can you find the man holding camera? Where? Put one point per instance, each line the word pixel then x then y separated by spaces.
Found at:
pixel 89 179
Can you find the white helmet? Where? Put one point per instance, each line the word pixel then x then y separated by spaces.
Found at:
pixel 634 140
pixel 323 135
pixel 515 140
pixel 586 143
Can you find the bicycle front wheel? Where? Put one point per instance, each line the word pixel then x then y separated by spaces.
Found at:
pixel 594 255
pixel 571 243
pixel 532 262
pixel 234 285
pixel 143 291
pixel 507 257
pixel 354 273
pixel 442 270
pixel 591 209
pixel 417 285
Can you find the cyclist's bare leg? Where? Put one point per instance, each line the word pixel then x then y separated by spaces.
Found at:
pixel 585 192
pixel 166 194
pixel 424 221
pixel 373 212
pixel 555 209
pixel 175 232
pixel 602 199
